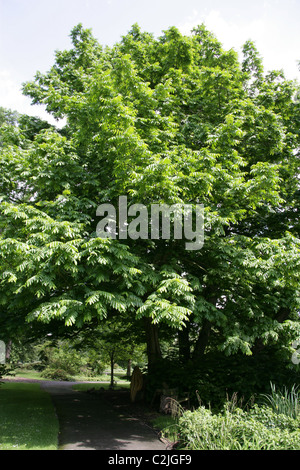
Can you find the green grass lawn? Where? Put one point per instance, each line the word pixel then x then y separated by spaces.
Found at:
pixel 104 378
pixel 27 418
pixel 83 387
pixel 27 374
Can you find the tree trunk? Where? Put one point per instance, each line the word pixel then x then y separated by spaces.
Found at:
pixel 112 363
pixel 153 346
pixel 202 340
pixel 129 367
pixel 204 334
pixel 184 344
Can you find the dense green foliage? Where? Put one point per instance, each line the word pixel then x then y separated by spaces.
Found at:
pixel 258 429
pixel 174 119
pixel 6 371
pixel 215 377
pixel 271 423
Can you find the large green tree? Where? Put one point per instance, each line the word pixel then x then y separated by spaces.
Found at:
pixel 174 119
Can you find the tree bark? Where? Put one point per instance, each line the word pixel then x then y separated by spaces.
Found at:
pixel 153 346
pixel 184 344
pixel 204 334
pixel 129 367
pixel 112 363
pixel 202 340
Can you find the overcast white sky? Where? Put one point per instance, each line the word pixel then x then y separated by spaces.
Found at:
pixel 31 30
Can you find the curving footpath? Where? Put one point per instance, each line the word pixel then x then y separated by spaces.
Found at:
pixel 88 422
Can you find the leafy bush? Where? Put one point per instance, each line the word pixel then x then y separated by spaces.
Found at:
pixel 258 429
pixel 6 370
pixel 272 419
pixel 56 374
pixel 60 357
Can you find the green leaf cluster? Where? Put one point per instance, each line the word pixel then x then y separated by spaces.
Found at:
pixel 236 429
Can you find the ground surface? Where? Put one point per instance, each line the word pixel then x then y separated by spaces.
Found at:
pixel 100 421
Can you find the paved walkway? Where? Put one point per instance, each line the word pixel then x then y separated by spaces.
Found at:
pixel 89 422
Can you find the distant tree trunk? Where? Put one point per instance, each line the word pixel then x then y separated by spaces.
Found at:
pixel 112 363
pixel 129 362
pixel 153 346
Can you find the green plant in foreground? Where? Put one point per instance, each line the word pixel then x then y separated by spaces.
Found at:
pixel 260 428
pixel 283 401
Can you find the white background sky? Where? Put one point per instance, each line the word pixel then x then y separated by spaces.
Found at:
pixel 31 30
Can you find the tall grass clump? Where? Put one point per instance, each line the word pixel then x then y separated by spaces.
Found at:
pixel 283 401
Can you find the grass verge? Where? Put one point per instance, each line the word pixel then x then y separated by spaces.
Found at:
pixel 104 378
pixel 27 418
pixel 167 426
pixel 97 386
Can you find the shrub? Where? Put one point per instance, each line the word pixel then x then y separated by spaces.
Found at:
pixel 271 419
pixel 6 370
pixel 56 374
pixel 61 357
pixel 258 429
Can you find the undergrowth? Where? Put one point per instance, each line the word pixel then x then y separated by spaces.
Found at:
pixel 272 423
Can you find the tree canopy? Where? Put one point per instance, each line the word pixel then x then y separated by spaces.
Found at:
pixel 173 119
